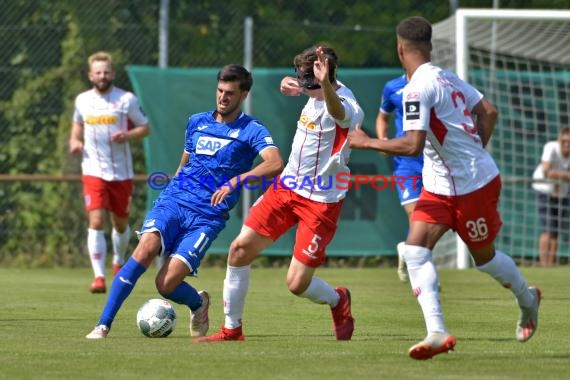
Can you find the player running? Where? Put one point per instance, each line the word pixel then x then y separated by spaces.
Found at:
pixel 106 118
pixel 320 150
pixel 461 184
pixel 407 167
pixel 219 149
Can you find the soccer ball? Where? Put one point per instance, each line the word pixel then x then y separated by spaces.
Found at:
pixel 156 318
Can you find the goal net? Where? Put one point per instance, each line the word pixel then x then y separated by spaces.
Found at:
pixel 520 60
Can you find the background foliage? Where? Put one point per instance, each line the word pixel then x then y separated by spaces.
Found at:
pixel 42 68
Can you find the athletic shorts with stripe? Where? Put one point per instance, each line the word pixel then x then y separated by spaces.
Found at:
pixel 279 209
pixel 114 196
pixel 473 216
pixel 185 233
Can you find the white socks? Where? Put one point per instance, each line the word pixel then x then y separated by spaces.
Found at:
pixel 319 291
pixel 236 285
pixel 503 269
pixel 424 282
pixel 120 245
pixel 97 248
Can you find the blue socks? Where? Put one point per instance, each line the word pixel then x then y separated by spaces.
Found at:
pixel 122 286
pixel 185 294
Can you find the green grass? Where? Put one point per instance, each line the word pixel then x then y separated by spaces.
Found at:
pixel 45 315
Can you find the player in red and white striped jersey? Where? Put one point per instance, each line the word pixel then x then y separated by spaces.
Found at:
pixel 451 122
pixel 306 194
pixel 105 119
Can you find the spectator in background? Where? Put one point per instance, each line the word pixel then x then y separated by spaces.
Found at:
pixel 320 150
pixel 462 184
pixel 552 186
pixel 220 148
pixel 106 118
pixel 408 167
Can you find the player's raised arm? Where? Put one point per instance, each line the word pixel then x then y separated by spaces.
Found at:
pixel 321 70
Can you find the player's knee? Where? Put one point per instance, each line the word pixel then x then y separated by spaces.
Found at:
pixel 241 253
pixel 164 286
pixel 297 284
pixel 416 256
pixel 296 287
pixel 236 252
pixel 97 224
pixel 147 249
pixel 163 290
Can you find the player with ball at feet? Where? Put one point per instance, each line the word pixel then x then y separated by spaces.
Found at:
pixel 220 148
pixel 320 150
pixel 452 123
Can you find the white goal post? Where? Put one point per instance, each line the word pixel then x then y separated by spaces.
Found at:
pixel 520 59
pixel 462 15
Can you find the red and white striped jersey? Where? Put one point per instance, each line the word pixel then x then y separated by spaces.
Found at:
pixel 320 150
pixel 102 115
pixel 438 102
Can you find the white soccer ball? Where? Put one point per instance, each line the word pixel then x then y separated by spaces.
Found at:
pixel 156 318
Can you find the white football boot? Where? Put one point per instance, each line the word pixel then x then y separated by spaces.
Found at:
pixel 199 320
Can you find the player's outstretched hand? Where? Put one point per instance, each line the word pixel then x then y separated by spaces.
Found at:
pixel 290 87
pixel 357 138
pixel 321 66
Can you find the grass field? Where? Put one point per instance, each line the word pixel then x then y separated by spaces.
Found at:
pixel 45 315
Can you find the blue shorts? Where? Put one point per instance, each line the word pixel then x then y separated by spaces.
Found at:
pixel 409 186
pixel 185 233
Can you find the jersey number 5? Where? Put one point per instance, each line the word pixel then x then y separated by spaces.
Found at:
pixel 313 247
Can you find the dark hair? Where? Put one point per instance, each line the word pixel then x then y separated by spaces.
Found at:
pixel 305 60
pixel 415 29
pixel 236 73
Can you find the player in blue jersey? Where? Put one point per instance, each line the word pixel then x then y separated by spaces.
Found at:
pixel 219 151
pixel 408 169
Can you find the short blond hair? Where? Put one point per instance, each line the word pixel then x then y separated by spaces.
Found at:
pixel 100 56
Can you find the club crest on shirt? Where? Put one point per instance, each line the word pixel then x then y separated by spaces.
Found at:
pixel 210 145
pixel 413 96
pixel 412 110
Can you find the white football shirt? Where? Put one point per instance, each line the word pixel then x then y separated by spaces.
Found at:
pixel 320 151
pixel 102 115
pixel 438 102
pixel 551 153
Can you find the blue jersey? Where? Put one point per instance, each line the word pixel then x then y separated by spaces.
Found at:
pixel 218 152
pixel 392 101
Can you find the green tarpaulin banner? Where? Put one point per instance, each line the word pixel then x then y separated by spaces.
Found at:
pixel 372 221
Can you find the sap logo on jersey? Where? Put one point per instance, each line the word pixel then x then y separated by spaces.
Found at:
pixel 210 145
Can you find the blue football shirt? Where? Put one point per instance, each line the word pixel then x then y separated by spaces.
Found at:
pixel 218 152
pixel 392 102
